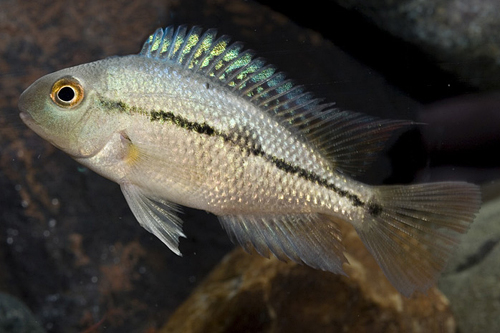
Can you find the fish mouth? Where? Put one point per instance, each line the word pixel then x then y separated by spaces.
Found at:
pixel 23 109
pixel 28 120
pixel 25 116
pixel 31 123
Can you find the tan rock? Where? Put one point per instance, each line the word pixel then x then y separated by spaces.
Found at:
pixel 249 293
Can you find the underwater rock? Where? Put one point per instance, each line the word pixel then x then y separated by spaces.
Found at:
pixel 461 36
pixel 471 280
pixel 249 293
pixel 72 247
pixel 15 317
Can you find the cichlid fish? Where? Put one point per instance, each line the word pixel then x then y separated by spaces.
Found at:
pixel 198 121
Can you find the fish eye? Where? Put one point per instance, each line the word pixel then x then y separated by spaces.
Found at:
pixel 67 92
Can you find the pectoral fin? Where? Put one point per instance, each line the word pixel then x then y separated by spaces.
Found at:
pixel 312 239
pixel 156 216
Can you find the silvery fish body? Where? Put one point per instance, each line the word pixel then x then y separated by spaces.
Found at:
pixel 198 121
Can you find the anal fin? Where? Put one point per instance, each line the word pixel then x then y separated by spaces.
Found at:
pixel 311 239
pixel 155 215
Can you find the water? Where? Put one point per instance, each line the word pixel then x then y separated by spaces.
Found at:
pixel 70 248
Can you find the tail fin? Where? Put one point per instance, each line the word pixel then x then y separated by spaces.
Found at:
pixel 416 230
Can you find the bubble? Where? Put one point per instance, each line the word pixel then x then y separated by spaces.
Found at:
pixel 52 223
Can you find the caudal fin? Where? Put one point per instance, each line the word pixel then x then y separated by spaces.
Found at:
pixel 416 229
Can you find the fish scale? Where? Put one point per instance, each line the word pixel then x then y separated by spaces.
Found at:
pixel 196 120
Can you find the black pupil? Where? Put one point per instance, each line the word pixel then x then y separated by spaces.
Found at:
pixel 66 94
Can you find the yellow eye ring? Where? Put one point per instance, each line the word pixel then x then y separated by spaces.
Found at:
pixel 67 92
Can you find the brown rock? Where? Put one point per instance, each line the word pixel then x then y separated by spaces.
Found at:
pixel 471 279
pixel 249 293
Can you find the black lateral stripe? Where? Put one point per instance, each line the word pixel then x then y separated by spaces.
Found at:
pixel 374 209
pixel 181 122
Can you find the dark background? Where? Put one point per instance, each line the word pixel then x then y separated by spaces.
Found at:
pixel 69 246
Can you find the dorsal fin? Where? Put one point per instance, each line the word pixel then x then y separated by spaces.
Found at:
pixel 348 139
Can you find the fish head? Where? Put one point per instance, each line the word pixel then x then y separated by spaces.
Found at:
pixel 63 108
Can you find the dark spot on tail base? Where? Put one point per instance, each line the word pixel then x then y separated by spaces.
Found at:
pixel 374 209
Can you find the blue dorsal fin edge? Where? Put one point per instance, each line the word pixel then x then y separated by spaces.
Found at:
pixel 348 139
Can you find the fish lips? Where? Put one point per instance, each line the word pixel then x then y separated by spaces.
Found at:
pixel 26 117
pixel 25 104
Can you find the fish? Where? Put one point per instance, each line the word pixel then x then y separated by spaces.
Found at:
pixel 197 120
